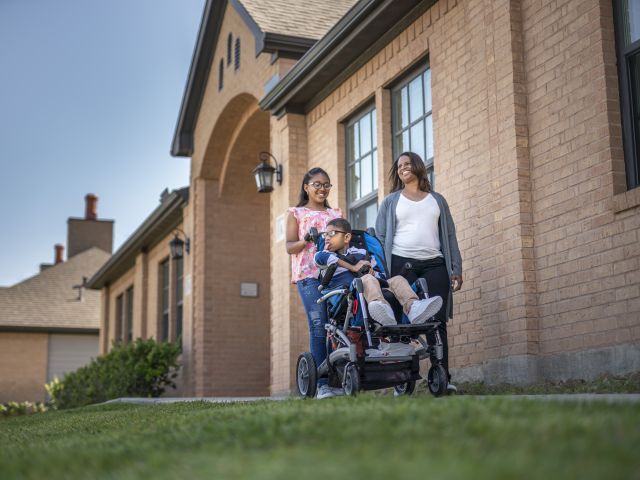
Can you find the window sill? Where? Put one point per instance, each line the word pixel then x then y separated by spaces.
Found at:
pixel 625 201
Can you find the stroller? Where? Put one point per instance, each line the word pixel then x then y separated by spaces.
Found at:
pixel 371 356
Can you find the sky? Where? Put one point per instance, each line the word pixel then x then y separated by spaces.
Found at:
pixel 90 91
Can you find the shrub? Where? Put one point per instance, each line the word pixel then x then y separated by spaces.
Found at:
pixel 11 409
pixel 143 368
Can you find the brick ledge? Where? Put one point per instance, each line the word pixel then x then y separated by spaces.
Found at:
pixel 625 201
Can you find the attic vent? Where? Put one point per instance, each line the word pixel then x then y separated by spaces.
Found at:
pixel 221 75
pixel 236 58
pixel 229 44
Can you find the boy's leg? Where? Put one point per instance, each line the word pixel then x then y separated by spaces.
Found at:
pixel 403 292
pixel 378 307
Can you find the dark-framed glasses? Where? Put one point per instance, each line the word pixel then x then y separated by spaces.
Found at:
pixel 331 233
pixel 318 185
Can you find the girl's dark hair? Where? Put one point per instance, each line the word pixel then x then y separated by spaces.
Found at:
pixel 303 197
pixel 417 168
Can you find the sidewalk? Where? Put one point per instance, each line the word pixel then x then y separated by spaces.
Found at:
pixel 570 397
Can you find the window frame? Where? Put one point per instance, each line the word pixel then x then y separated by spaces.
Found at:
pixel 119 307
pixel 127 336
pixel 630 140
pixel 179 296
pixel 396 131
pixel 349 162
pixel 236 55
pixel 164 326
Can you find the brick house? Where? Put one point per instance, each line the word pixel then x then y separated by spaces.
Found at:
pixel 49 323
pixel 526 114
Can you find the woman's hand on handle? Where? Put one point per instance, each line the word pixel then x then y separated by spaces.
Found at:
pixel 456 282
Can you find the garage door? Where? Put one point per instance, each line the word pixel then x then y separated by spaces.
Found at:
pixel 69 352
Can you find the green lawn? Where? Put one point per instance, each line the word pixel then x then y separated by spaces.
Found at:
pixel 366 437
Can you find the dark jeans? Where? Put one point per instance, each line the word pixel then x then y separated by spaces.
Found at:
pixel 439 284
pixel 317 318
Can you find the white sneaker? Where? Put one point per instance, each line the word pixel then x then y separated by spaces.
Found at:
pixel 381 312
pixel 325 391
pixel 423 310
pixel 451 388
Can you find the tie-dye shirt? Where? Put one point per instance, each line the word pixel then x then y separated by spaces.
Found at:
pixel 302 264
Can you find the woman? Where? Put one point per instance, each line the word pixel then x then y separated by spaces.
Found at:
pixel 415 226
pixel 312 210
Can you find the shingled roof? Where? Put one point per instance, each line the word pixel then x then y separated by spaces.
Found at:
pixel 297 18
pixel 48 301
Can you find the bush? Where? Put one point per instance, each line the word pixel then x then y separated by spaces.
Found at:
pixel 143 368
pixel 12 409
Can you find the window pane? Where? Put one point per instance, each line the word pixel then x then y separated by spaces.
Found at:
pixel 429 132
pixel 631 18
pixel 374 169
pixel 364 216
pixel 426 78
pixel 366 185
pixel 365 134
pixel 417 139
pixel 416 101
pixel 371 212
pixel 356 142
pixel 374 129
pixel 406 144
pixel 354 181
pixel 404 107
pixel 634 77
pixel 350 142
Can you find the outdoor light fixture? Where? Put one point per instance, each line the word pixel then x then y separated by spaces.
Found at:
pixel 177 246
pixel 264 173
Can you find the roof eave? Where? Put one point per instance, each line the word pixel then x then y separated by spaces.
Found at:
pixel 169 211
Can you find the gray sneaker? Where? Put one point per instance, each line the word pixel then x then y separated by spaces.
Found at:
pixel 325 391
pixel 423 310
pixel 451 388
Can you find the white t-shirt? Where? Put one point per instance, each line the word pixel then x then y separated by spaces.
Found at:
pixel 416 234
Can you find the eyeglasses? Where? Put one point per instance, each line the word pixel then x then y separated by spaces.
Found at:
pixel 318 185
pixel 331 233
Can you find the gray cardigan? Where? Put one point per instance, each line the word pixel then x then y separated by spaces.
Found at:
pixel 386 227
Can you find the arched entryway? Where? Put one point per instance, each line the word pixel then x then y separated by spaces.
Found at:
pixel 231 258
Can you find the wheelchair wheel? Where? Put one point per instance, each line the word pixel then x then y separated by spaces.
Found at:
pixel 437 380
pixel 404 389
pixel 306 376
pixel 351 380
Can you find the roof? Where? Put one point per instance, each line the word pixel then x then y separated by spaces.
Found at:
pixel 297 18
pixel 160 223
pixel 289 26
pixel 359 35
pixel 48 301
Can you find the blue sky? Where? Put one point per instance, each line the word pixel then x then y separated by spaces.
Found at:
pixel 89 96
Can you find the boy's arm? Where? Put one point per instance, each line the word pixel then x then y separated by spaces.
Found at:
pixel 325 258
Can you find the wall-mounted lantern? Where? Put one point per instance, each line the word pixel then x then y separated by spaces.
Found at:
pixel 264 173
pixel 178 246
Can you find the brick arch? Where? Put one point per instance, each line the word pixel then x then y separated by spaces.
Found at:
pixel 227 127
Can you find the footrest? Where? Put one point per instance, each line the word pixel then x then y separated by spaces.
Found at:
pixel 406 329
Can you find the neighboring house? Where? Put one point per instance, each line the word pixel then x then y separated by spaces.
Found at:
pixel 142 284
pixel 49 323
pixel 526 114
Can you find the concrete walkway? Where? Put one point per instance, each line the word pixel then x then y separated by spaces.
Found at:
pixel 572 397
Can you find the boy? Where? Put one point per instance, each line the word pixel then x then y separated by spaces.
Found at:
pixel 337 238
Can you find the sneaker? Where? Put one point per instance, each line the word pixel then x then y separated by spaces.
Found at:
pixel 381 312
pixel 325 391
pixel 451 388
pixel 423 310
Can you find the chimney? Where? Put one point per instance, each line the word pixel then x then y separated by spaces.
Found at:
pixel 91 202
pixel 59 254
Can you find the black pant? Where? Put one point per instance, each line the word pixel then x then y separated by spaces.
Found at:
pixel 439 284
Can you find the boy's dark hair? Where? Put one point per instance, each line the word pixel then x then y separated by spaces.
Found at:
pixel 340 223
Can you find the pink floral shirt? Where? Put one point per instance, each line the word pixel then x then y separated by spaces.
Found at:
pixel 302 264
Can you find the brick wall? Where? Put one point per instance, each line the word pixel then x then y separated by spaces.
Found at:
pixel 23 366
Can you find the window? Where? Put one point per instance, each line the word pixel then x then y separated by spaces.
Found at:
pixel 164 301
pixel 627 25
pixel 236 57
pixel 119 318
pixel 221 75
pixel 411 122
pixel 229 45
pixel 129 314
pixel 362 169
pixel 179 295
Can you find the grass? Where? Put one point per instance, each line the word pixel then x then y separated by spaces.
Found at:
pixel 365 437
pixel 604 384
